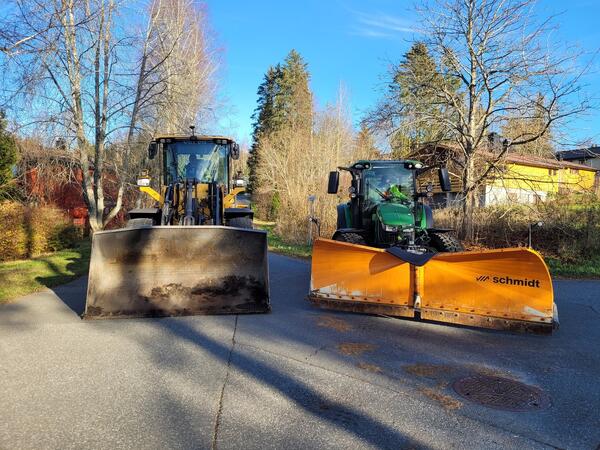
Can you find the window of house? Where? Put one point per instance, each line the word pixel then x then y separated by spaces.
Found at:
pixel 574 171
pixel 552 172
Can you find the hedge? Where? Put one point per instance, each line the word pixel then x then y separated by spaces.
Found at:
pixel 29 231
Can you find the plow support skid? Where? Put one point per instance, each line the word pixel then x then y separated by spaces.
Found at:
pixel 177 270
pixel 507 289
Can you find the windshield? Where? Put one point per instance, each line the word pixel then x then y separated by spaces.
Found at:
pixel 388 183
pixel 203 160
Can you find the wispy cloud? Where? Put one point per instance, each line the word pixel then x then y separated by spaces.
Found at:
pixel 382 25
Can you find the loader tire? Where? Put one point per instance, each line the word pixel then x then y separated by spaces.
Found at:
pixel 351 238
pixel 140 222
pixel 445 242
pixel 241 222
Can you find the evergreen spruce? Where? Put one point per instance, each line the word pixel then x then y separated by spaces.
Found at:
pixel 8 156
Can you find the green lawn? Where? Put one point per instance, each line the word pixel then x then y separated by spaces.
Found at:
pixel 19 278
pixel 589 268
pixel 277 245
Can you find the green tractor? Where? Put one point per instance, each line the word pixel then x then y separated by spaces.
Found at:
pixel 386 210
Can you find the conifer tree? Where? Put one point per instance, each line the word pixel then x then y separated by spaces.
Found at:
pixel 284 103
pixel 266 119
pixel 410 102
pixel 8 155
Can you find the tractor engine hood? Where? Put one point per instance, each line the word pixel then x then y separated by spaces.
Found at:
pixel 395 215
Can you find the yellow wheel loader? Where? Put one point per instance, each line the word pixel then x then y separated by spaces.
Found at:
pixel 387 257
pixel 194 252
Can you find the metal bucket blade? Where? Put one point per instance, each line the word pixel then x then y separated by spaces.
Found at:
pixel 505 289
pixel 356 278
pixel 172 271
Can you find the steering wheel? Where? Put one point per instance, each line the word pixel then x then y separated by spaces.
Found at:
pixel 383 194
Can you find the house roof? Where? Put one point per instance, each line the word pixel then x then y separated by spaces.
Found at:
pixel 524 160
pixel 582 153
pixel 550 163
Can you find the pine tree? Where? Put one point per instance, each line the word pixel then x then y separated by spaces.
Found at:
pixel 8 155
pixel 266 120
pixel 410 103
pixel 284 102
pixel 295 99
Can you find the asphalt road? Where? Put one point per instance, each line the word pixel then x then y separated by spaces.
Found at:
pixel 295 378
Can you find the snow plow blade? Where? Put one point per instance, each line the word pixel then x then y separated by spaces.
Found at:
pixel 508 289
pixel 176 271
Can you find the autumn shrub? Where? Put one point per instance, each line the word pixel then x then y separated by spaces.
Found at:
pixel 569 231
pixel 32 230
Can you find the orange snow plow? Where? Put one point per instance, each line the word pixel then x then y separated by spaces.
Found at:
pixel 508 289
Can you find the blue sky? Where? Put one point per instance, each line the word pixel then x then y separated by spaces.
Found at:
pixel 350 42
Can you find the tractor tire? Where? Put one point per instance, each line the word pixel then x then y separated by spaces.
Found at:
pixel 241 222
pixel 351 238
pixel 139 222
pixel 445 242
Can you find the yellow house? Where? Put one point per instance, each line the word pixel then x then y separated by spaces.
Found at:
pixel 530 179
pixel 518 178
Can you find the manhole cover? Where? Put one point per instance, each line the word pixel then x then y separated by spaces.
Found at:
pixel 501 393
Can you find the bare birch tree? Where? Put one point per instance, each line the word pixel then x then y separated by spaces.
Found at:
pixel 186 65
pixel 504 65
pixel 99 87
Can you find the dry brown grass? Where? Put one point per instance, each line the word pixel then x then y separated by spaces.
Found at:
pixel 570 230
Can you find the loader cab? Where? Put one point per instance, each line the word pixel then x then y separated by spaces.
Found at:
pixel 205 161
pixel 196 182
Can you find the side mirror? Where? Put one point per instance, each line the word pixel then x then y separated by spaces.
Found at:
pixel 445 184
pixel 152 149
pixel 334 182
pixel 235 151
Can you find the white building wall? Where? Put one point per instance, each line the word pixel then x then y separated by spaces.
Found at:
pixel 497 195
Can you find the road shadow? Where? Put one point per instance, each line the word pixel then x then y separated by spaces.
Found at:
pixel 67 282
pixel 13 315
pixel 305 397
pixel 73 295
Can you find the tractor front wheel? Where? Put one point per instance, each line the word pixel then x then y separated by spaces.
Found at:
pixel 445 242
pixel 351 238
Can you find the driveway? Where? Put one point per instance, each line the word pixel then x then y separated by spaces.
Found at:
pixel 295 378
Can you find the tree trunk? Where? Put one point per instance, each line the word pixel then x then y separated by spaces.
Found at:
pixel 469 193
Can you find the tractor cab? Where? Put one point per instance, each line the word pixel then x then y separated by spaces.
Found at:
pixel 384 208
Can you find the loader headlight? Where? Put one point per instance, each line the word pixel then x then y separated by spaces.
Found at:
pixel 390 228
pixel 408 230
